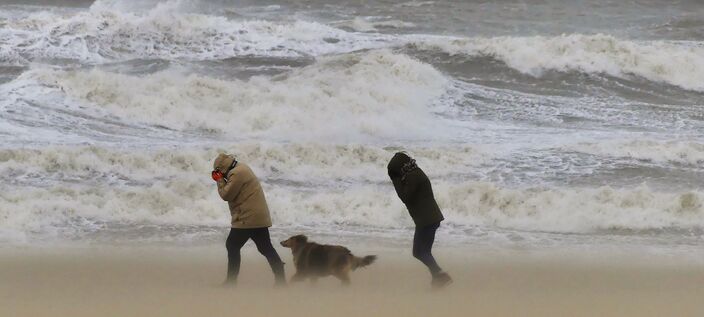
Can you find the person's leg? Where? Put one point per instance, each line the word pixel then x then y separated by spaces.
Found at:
pixel 423 245
pixel 261 238
pixel 235 241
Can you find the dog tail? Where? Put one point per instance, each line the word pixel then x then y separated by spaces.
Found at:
pixel 362 262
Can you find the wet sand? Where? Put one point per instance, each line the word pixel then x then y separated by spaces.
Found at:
pixel 171 281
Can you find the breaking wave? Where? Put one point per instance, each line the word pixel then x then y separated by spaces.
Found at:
pixel 675 63
pixel 346 97
pixel 105 34
pixel 102 34
pixel 679 152
pixel 306 184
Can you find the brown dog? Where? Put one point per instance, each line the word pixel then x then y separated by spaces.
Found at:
pixel 314 260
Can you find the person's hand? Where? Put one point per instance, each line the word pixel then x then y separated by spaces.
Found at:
pixel 217 176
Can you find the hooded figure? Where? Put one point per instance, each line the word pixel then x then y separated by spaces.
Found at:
pixel 238 185
pixel 243 193
pixel 415 191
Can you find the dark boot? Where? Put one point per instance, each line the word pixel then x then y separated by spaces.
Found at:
pixel 279 274
pixel 441 280
pixel 229 283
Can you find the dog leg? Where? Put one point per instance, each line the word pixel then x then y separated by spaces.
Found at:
pixel 344 278
pixel 298 277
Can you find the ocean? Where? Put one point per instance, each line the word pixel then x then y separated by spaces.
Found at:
pixel 541 123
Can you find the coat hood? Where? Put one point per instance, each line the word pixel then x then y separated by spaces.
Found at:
pixel 223 162
pixel 396 164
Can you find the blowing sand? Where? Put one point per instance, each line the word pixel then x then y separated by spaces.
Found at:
pixel 171 281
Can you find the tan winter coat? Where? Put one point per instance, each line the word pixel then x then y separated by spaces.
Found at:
pixel 243 194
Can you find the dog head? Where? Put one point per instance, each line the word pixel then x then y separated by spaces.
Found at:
pixel 295 241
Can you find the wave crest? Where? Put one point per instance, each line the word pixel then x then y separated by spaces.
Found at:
pixel 677 64
pixel 679 152
pixel 101 35
pixel 71 188
pixel 377 94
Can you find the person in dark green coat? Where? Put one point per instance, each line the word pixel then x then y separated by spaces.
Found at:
pixel 415 191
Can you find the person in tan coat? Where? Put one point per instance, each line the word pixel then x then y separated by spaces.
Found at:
pixel 238 185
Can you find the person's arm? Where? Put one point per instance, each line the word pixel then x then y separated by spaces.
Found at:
pixel 411 182
pixel 228 190
pixel 399 187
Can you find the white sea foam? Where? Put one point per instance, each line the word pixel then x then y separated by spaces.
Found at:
pixel 104 34
pixel 311 164
pixel 585 210
pixel 668 62
pixel 54 186
pixel 347 97
pixel 191 201
pixel 10 57
pixel 571 210
pixel 681 152
pixel 306 184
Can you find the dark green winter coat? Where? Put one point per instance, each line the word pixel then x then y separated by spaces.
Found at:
pixel 414 189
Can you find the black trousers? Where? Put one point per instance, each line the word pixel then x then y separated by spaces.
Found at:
pixel 423 245
pixel 260 236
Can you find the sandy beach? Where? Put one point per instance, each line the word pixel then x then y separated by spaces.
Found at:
pixel 172 281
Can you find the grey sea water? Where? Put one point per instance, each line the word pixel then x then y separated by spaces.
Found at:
pixel 541 123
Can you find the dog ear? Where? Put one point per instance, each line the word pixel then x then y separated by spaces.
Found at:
pixel 301 238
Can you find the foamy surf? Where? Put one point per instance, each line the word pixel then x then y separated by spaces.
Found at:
pixel 60 210
pixel 678 152
pixel 105 33
pixel 111 114
pixel 377 93
pixel 307 185
pixel 674 63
